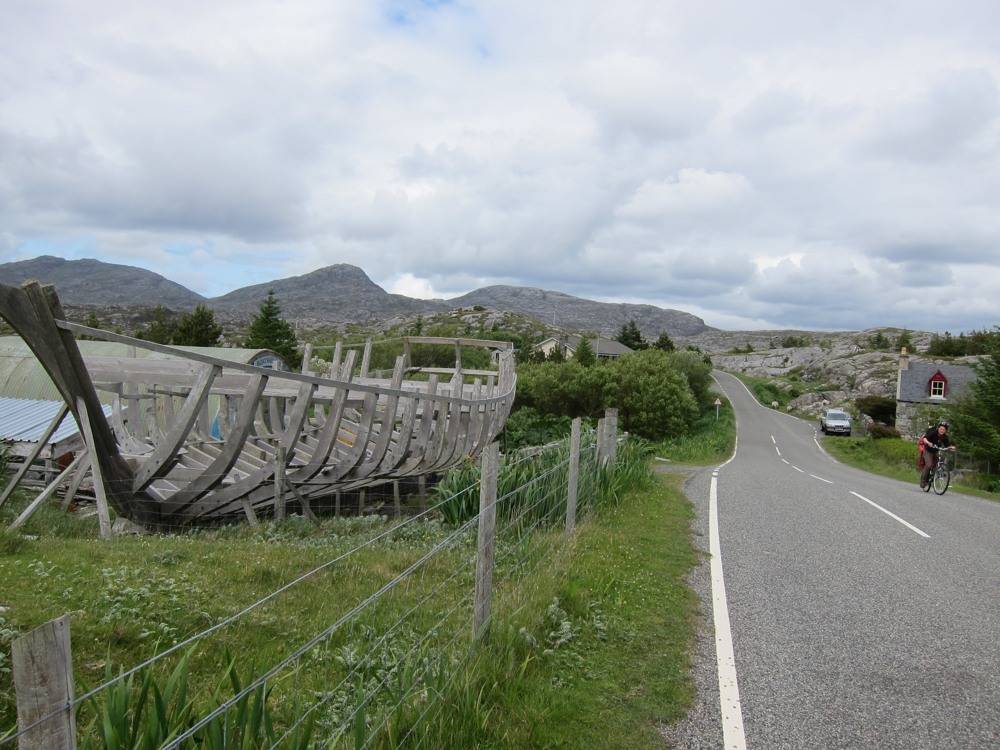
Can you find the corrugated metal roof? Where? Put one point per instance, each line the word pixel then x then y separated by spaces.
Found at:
pixel 22 376
pixel 25 420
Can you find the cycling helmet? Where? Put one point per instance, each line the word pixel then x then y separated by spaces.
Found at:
pixel 944 424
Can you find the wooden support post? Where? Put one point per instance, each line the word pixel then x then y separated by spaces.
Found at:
pixel 407 353
pixel 487 541
pixel 74 486
pixel 574 476
pixel 422 491
pixel 336 504
pixel 366 359
pixel 279 484
pixel 338 349
pixel 43 683
pixel 30 459
pixel 361 502
pixel 307 354
pixel 48 492
pixel 248 511
pixel 395 498
pixel 100 491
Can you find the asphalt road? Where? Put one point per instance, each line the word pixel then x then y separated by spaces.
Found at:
pixel 851 627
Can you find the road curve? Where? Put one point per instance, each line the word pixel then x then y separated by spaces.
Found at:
pixel 864 613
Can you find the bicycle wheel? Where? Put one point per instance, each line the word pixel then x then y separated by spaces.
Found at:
pixel 942 478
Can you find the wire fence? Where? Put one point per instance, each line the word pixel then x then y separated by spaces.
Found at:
pixel 391 626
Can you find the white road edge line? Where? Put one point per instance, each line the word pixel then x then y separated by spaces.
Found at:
pixel 729 690
pixel 891 514
pixel 821 479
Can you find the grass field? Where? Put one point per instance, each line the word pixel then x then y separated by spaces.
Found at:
pixel 568 656
pixel 890 457
pixel 609 662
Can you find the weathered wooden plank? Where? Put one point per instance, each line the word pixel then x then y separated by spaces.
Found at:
pixel 42 664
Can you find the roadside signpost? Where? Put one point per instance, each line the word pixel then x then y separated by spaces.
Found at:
pixel 718 403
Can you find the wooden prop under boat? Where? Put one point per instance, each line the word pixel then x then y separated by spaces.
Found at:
pixel 198 439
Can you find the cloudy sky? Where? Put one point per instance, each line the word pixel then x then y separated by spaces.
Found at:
pixel 806 164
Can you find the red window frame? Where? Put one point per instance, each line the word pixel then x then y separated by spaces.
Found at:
pixel 937 377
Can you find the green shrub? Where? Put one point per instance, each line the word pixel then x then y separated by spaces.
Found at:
pixel 654 399
pixel 879 431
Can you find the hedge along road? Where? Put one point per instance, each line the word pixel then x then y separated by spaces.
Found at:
pixel 862 612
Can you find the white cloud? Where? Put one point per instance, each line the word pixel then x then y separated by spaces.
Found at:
pixel 633 151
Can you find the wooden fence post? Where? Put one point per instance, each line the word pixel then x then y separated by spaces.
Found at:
pixel 43 684
pixel 279 484
pixel 487 541
pixel 395 498
pixel 574 475
pixel 611 416
pixel 422 491
pixel 366 359
pixel 599 443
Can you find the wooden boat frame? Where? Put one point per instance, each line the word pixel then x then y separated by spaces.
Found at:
pixel 198 440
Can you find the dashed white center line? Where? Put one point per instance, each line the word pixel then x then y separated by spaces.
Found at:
pixel 777 450
pixel 821 479
pixel 798 469
pixel 786 461
pixel 773 440
pixel 891 515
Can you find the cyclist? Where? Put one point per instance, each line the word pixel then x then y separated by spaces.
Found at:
pixel 934 440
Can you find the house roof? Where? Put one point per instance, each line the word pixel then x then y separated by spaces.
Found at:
pixel 601 346
pixel 913 381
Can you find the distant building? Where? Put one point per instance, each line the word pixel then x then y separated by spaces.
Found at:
pixel 603 348
pixel 924 387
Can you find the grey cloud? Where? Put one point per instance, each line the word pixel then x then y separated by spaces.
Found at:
pixel 942 121
pixel 770 110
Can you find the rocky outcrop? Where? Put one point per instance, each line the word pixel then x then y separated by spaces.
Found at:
pixel 578 314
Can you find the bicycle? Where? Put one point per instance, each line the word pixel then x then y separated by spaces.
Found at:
pixel 940 478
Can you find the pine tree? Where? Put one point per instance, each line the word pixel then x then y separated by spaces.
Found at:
pixel 270 331
pixel 197 328
pixel 664 343
pixel 977 417
pixel 584 353
pixel 631 336
pixel 161 329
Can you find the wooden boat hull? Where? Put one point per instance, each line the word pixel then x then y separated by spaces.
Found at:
pixel 199 440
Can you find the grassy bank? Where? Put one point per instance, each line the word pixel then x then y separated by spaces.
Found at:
pixel 607 661
pixel 890 457
pixel 710 441
pixel 571 632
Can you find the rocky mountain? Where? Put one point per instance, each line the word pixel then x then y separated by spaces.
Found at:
pixel 341 293
pixel 336 294
pixel 94 283
pixel 578 314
